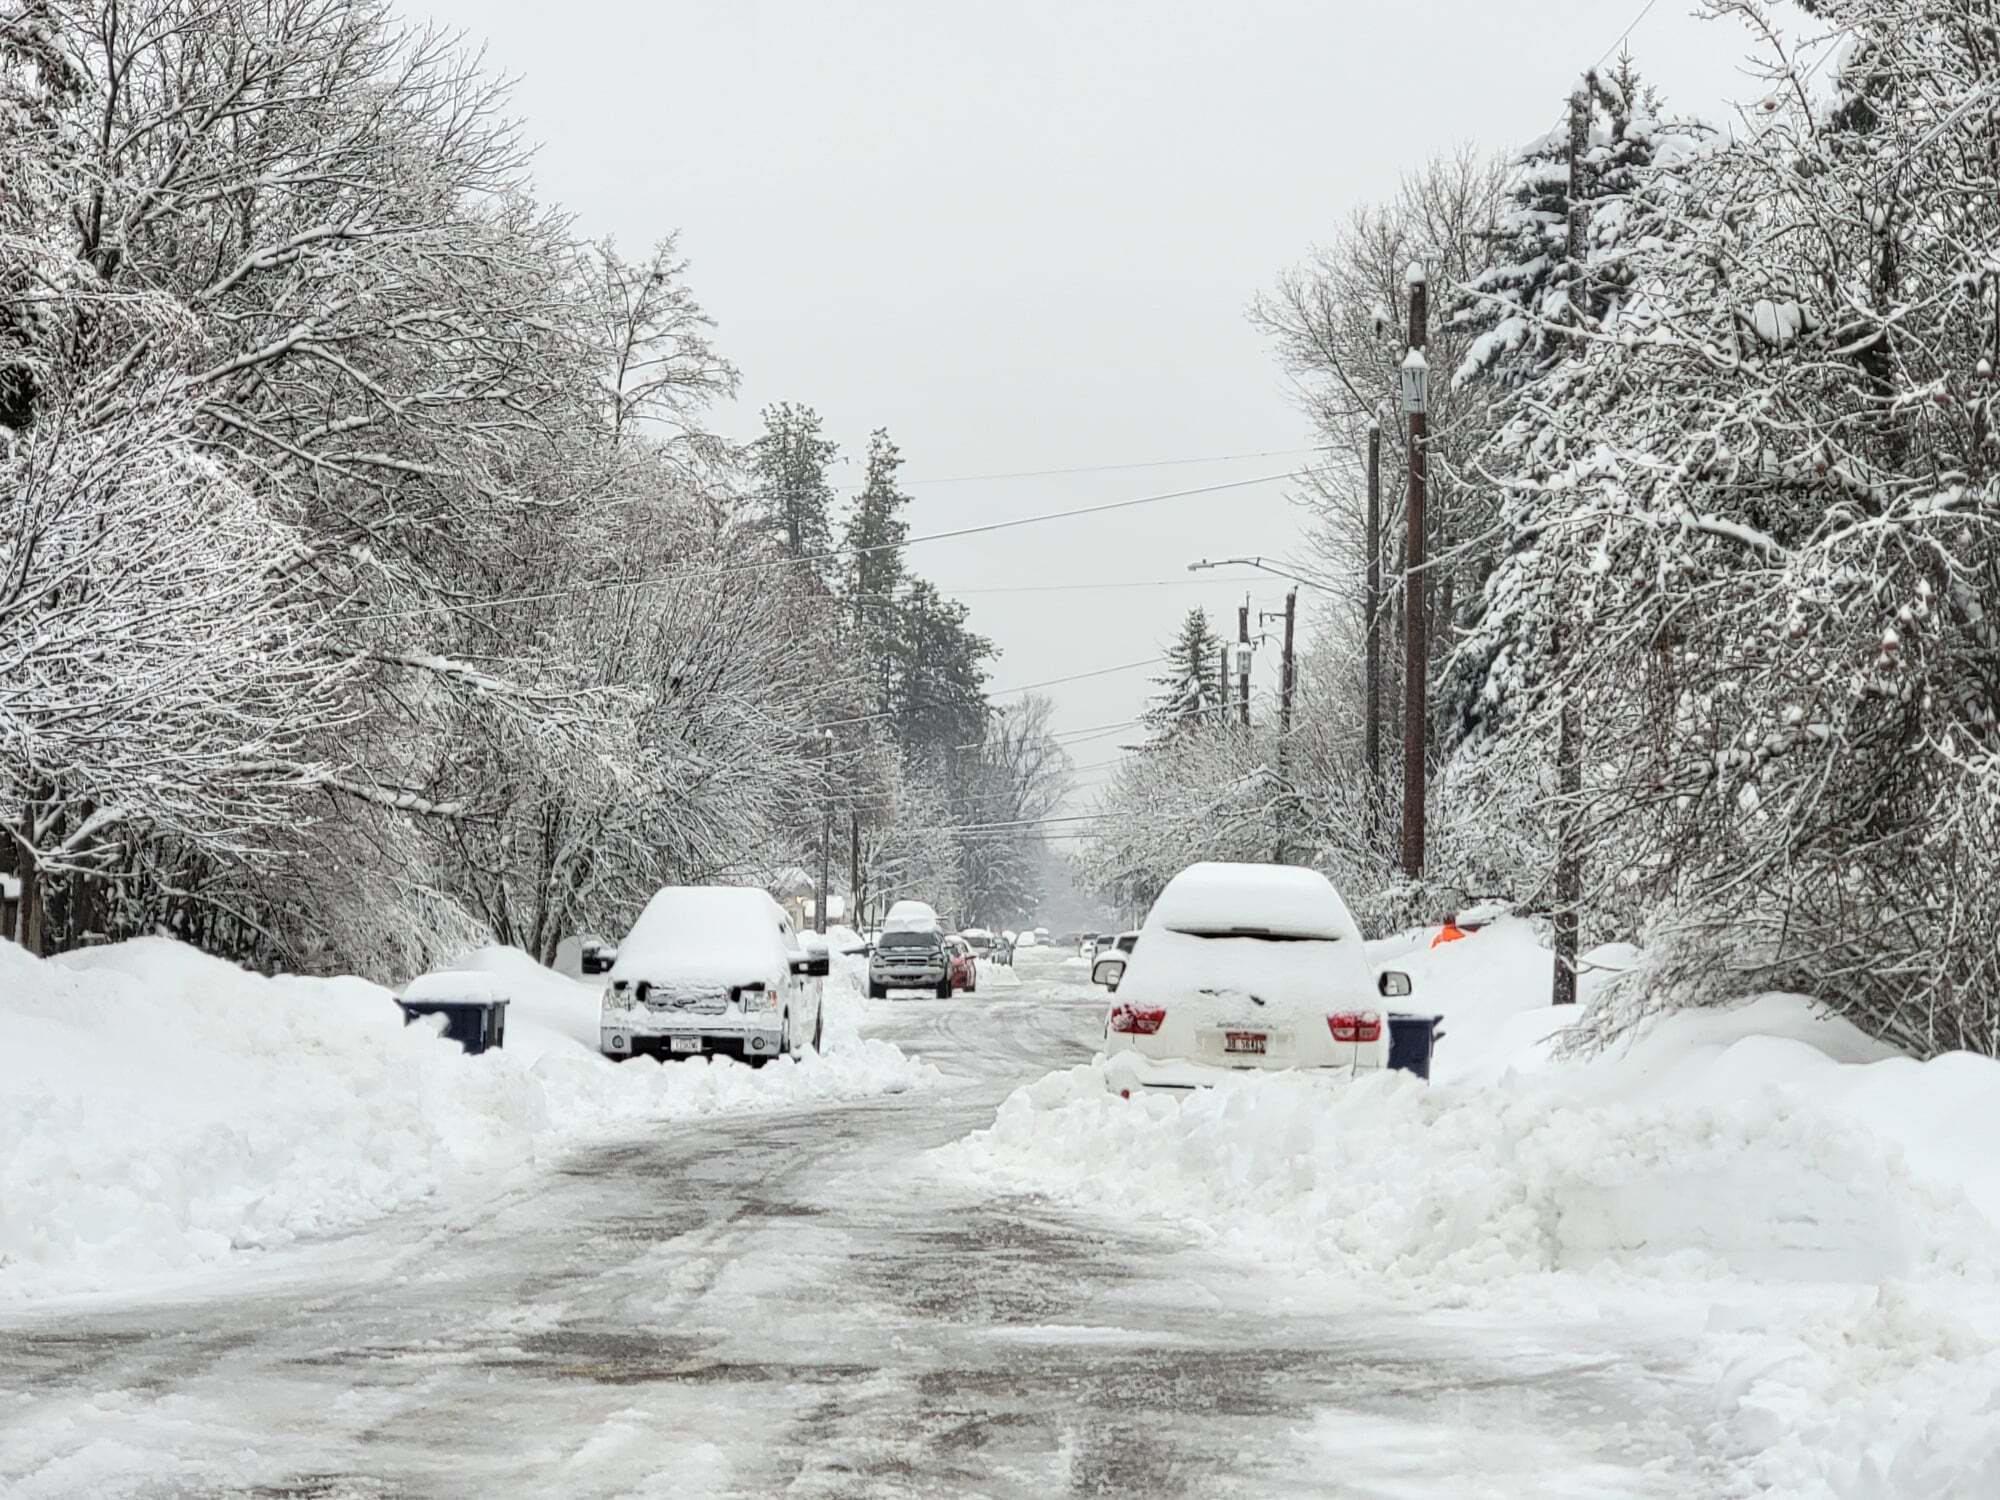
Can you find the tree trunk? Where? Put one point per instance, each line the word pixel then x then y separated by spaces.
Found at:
pixel 33 918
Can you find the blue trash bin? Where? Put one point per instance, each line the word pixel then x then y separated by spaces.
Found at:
pixel 1412 1039
pixel 474 1010
pixel 475 1025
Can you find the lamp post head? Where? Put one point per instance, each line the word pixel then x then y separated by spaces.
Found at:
pixel 1414 383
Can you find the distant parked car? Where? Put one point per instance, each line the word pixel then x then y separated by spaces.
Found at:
pixel 964 968
pixel 1095 943
pixel 597 955
pixel 979 940
pixel 1238 968
pixel 909 958
pixel 713 970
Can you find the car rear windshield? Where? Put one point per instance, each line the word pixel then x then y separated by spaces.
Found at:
pixel 910 940
pixel 1263 933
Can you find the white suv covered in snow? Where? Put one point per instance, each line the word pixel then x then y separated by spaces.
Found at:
pixel 713 969
pixel 1243 967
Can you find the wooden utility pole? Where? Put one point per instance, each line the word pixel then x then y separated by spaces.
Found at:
pixel 854 871
pixel 1286 678
pixel 1373 601
pixel 1222 687
pixel 1243 663
pixel 1285 681
pixel 1569 732
pixel 825 838
pixel 1416 581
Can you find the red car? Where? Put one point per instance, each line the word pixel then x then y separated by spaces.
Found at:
pixel 964 969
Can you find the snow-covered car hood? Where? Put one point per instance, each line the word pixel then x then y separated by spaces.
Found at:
pixel 705 938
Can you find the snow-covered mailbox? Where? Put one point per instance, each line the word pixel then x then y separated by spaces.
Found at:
pixel 473 1007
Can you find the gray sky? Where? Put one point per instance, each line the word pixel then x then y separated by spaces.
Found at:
pixel 1022 236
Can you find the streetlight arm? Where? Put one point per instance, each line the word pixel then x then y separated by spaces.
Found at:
pixel 1262 566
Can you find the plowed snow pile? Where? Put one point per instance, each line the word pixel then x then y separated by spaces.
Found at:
pixel 159 1109
pixel 1810 1214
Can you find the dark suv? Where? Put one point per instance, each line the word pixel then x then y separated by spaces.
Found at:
pixel 909 960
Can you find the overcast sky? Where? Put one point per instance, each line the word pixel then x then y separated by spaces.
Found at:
pixel 1023 236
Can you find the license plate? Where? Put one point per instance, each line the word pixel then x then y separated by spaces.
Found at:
pixel 684 1044
pixel 1249 1043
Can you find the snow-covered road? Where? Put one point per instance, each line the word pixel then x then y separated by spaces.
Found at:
pixel 803 1304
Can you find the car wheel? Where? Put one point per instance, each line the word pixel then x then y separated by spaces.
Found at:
pixel 944 990
pixel 877 992
pixel 972 988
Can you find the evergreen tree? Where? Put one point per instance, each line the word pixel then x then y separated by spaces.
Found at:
pixel 873 538
pixel 789 463
pixel 936 684
pixel 1191 688
pixel 1521 298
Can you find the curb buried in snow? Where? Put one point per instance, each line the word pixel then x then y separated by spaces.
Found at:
pixel 229 1111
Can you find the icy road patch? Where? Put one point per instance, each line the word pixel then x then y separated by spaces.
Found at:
pixel 163 1109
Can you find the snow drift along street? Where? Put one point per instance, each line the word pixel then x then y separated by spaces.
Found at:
pixel 164 1108
pixel 1769 1183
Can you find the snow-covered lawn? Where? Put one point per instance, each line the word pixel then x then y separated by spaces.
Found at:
pixel 1811 1216
pixel 160 1109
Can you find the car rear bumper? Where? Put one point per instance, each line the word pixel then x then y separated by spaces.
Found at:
pixel 1126 1072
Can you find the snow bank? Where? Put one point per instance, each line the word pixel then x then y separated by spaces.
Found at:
pixel 163 1109
pixel 1817 1219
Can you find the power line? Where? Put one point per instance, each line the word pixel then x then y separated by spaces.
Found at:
pixel 766 564
pixel 1066 588
pixel 1130 666
pixel 1627 33
pixel 1156 463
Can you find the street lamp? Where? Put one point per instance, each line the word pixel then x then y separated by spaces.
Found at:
pixel 1414 381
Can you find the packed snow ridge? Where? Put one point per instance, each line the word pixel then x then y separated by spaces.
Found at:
pixel 1812 1215
pixel 164 1109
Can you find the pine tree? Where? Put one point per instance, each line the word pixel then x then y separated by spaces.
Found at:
pixel 1191 691
pixel 936 686
pixel 873 538
pixel 1523 296
pixel 789 463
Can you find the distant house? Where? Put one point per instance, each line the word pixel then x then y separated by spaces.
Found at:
pixel 796 891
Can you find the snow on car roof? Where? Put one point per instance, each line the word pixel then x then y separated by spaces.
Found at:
pixel 1283 900
pixel 720 934
pixel 908 915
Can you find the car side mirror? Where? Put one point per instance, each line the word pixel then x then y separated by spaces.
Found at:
pixel 813 966
pixel 1394 986
pixel 598 960
pixel 1108 972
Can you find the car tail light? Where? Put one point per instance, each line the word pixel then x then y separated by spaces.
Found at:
pixel 1138 1020
pixel 1355 1026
